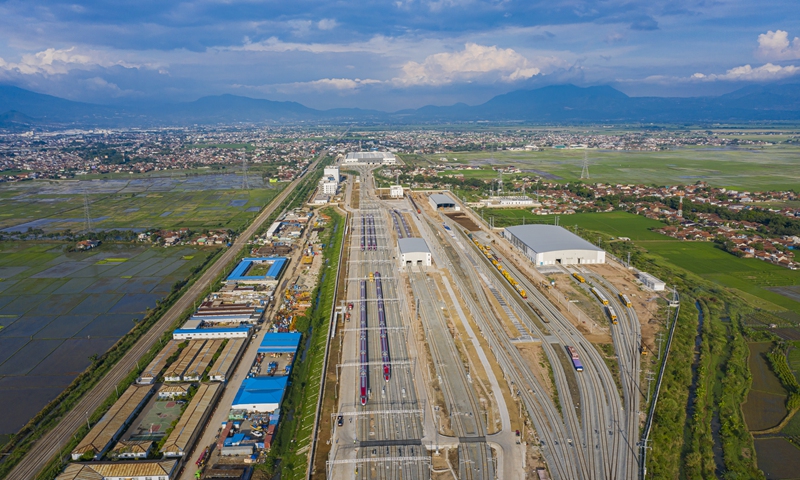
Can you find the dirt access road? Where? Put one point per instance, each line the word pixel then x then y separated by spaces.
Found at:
pixel 54 440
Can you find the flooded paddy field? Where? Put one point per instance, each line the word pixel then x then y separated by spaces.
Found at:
pixel 58 308
pixel 196 202
pixel 778 458
pixel 766 401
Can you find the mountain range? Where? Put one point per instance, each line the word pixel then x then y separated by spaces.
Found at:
pixel 553 104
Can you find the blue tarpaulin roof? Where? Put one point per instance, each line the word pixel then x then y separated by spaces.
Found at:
pixel 280 343
pixel 260 392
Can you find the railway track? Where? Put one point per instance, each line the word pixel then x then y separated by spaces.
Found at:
pixel 51 443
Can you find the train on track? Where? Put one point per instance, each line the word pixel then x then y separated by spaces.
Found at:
pixel 597 293
pixel 579 277
pixel 625 300
pixel 576 360
pixel 487 251
pixel 385 357
pixel 612 315
pixel 414 204
pixel 363 370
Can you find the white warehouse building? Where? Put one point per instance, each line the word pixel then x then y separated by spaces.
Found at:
pixel 553 245
pixel 414 251
pixel 370 158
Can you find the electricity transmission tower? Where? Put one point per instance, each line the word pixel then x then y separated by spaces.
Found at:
pixel 585 171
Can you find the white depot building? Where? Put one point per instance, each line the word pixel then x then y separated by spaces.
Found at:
pixel 414 251
pixel 370 158
pixel 553 245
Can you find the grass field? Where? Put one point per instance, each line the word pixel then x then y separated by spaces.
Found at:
pixel 59 308
pixel 140 205
pixel 615 224
pixel 757 168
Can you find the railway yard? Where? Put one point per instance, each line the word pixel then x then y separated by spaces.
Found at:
pixel 415 402
pixel 456 359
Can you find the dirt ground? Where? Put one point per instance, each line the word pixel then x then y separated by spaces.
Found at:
pixel 641 299
pixel 480 383
pixel 533 353
pixel 464 220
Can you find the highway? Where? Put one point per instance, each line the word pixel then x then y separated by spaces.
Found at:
pixel 53 441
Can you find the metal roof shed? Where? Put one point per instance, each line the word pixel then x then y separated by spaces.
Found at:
pixel 280 343
pixel 260 394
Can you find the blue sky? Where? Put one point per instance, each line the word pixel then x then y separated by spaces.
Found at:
pixel 394 54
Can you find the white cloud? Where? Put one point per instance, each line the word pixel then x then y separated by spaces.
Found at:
pixel 378 44
pixel 746 73
pixel 59 62
pixel 475 61
pixel 327 24
pixel 775 45
pixel 323 84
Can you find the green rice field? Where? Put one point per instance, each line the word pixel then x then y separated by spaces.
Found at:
pixel 757 168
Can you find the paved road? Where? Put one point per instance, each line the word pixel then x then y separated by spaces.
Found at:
pixel 54 440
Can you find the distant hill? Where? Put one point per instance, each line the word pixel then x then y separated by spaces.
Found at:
pixel 553 104
pixel 51 109
pixel 13 120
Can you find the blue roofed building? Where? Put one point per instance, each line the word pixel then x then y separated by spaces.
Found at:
pixel 260 394
pixel 280 343
pixel 251 271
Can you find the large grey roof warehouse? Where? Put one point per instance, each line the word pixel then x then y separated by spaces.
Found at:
pixel 550 245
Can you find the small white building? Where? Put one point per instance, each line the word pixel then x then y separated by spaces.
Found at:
pixel 396 191
pixel 414 251
pixel 652 282
pixel 211 333
pixel 128 449
pixel 168 392
pixel 332 172
pixel 517 201
pixel 322 199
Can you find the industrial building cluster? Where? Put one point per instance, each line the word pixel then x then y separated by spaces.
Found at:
pixel 155 423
